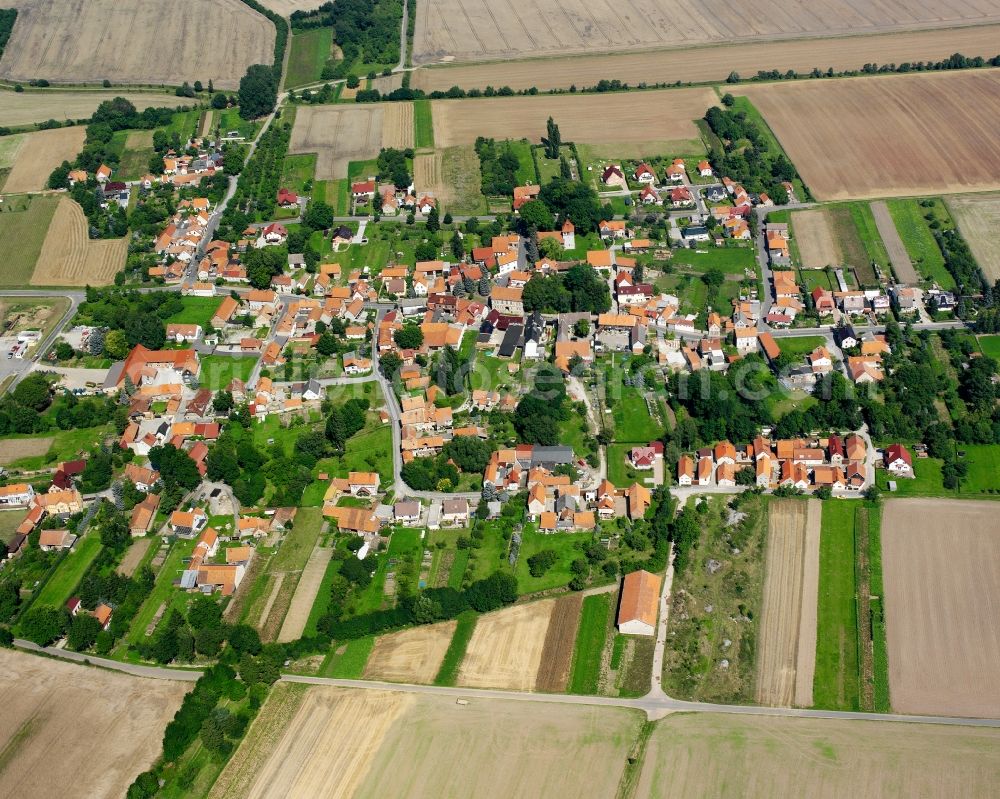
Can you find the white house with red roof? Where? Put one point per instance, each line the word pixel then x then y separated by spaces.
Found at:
pixel 898 460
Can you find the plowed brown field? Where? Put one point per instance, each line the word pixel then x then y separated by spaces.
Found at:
pixel 941 569
pixel 136 41
pixel 895 135
pixel 469 30
pixel 659 116
pixel 70 258
pixel 40 154
pixel 711 62
pixel 107 727
pixel 560 640
pixel 786 646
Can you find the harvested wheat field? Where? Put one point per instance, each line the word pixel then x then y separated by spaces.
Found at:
pixel 338 135
pixel 106 727
pixel 70 258
pixel 43 151
pixel 322 743
pixel 818 248
pixel 502 748
pixel 470 30
pixel 506 648
pixel 898 257
pixel 397 125
pixel 329 746
pixel 786 644
pixel 560 641
pixel 28 107
pixel 305 595
pixel 286 7
pixel 651 117
pixel 930 128
pixel 388 83
pixel 979 219
pixel 427 168
pixel 134 41
pixel 756 757
pixel 451 175
pixel 16 448
pixel 701 64
pixel 941 570
pixel 410 656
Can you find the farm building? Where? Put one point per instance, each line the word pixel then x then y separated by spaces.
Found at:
pixel 637 607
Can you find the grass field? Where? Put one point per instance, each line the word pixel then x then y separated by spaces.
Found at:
pixel 585 672
pixel 800 346
pixel 633 424
pixel 197 311
pixel 10 520
pixel 310 50
pixel 423 124
pixel 68 573
pixel 63 445
pixel 347 661
pixel 164 590
pixel 218 371
pixel 990 345
pixel 23 225
pixel 731 260
pixel 919 241
pixel 448 673
pixel 566 546
pixel 297 171
pixel 835 683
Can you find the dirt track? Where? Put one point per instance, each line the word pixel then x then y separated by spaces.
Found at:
pixel 711 62
pixel 469 30
pixel 814 237
pixel 941 570
pixel 506 647
pixel 846 149
pixel 305 594
pixel 411 656
pixel 786 646
pixel 133 557
pixel 40 154
pixel 898 257
pixel 105 727
pixel 135 41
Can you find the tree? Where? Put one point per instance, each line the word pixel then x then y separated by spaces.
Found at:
pixel 43 625
pixel 326 345
pixel 33 392
pixel 457 246
pixel 535 214
pixel 83 631
pixel 219 101
pixel 408 337
pixel 433 220
pixel 258 93
pixel 552 140
pixel 115 345
pixel 318 216
pixel 713 278
pixel 222 402
pixel 541 562
pixel 469 453
pixel 244 638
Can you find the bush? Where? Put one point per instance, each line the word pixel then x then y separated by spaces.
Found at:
pixel 541 562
